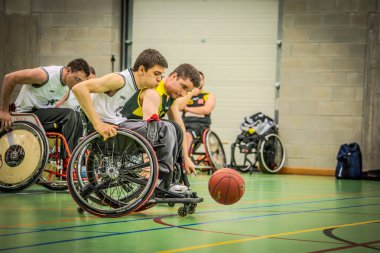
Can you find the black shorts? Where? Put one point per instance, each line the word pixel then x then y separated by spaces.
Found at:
pixel 196 128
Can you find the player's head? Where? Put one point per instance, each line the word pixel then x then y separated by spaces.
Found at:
pixel 182 80
pixel 150 65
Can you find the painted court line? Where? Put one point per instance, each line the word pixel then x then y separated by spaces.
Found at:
pixel 266 236
pixel 204 212
pixel 165 228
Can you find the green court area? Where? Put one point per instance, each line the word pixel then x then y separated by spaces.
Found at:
pixel 278 213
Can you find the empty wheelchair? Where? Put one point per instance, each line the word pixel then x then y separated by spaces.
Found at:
pixel 118 176
pixel 207 152
pixel 28 154
pixel 258 142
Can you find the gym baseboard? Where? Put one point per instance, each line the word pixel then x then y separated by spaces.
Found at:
pixel 309 171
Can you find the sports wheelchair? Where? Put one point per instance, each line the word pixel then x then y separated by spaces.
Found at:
pixel 28 154
pixel 207 152
pixel 118 176
pixel 258 142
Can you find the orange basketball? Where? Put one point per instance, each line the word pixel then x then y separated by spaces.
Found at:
pixel 226 186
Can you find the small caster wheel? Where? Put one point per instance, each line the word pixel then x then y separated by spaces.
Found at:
pixel 171 204
pixel 194 195
pixel 192 208
pixel 80 210
pixel 182 211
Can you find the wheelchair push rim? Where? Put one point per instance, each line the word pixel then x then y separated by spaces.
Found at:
pixel 23 153
pixel 106 178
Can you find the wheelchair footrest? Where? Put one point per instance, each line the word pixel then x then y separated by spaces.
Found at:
pixel 203 167
pixel 63 182
pixel 177 200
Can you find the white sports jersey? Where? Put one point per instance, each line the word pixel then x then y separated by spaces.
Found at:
pixel 108 107
pixel 71 102
pixel 46 95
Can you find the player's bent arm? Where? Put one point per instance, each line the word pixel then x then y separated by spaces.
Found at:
pixel 108 83
pixel 182 101
pixel 150 101
pixel 26 76
pixel 203 110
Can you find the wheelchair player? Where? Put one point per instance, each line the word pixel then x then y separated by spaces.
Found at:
pixel 113 167
pixel 42 88
pixel 138 102
pixel 196 109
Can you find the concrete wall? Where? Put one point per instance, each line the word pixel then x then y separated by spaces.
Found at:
pixel 43 32
pixel 322 77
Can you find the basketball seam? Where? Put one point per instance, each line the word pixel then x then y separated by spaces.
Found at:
pixel 228 187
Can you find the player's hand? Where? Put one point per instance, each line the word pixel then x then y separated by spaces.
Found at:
pixel 195 92
pixel 5 120
pixel 106 130
pixel 190 167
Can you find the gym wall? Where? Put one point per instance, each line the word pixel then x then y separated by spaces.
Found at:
pixel 323 79
pixel 42 32
pixel 325 71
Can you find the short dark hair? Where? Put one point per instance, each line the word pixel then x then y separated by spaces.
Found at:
pixel 201 73
pixel 150 58
pixel 79 65
pixel 186 71
pixel 92 70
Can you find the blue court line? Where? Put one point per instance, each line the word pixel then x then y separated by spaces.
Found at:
pixel 70 227
pixel 178 226
pixel 204 212
pixel 241 218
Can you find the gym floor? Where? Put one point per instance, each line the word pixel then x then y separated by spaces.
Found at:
pixel 278 213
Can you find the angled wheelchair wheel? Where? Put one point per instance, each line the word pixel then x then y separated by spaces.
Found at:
pixel 23 155
pixel 114 177
pixel 271 154
pixel 214 150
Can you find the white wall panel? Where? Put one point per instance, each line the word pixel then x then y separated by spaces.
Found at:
pixel 232 42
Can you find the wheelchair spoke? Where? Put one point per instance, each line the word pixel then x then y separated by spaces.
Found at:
pixel 89 189
pixel 134 167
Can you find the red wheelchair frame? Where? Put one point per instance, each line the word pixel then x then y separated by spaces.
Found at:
pixel 207 152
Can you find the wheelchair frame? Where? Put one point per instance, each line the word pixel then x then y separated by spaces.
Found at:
pixel 267 149
pixel 203 159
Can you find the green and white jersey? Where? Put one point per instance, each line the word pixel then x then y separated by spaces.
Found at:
pixel 108 106
pixel 45 95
